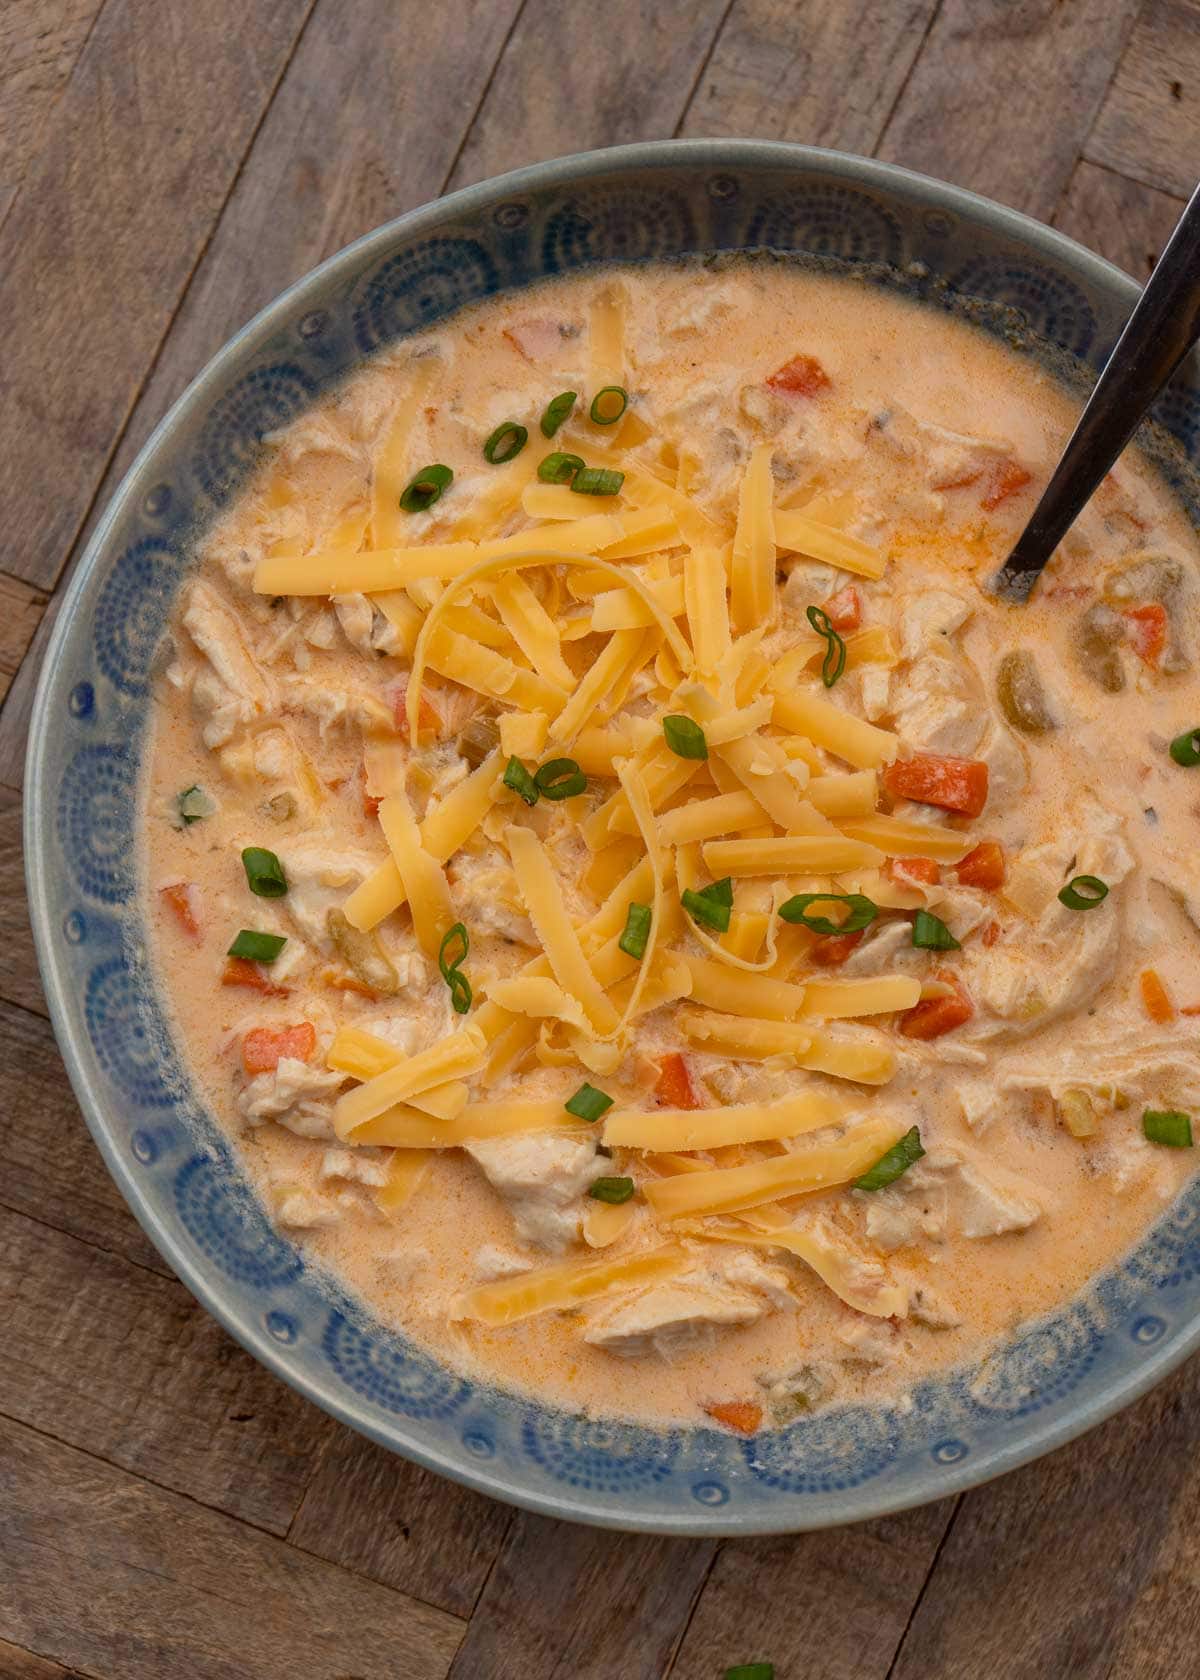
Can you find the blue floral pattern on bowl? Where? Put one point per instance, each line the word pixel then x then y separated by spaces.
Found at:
pixel 1058 1375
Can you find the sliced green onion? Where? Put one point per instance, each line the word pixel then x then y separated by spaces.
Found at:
pixel 192 805
pixel 257 947
pixel 560 778
pixel 505 443
pixel 860 912
pixel 520 781
pixel 1185 748
pixel 751 1671
pixel 894 1164
pixel 557 410
pixel 597 481
pixel 264 872
pixel 559 468
pixel 930 933
pixel 713 906
pixel 685 738
pixel 611 1189
pixel 424 488
pixel 834 662
pixel 1083 893
pixel 608 405
pixel 1168 1126
pixel 588 1103
pixel 637 931
pixel 452 952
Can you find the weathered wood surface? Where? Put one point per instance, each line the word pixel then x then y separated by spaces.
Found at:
pixel 116 1576
pixel 167 1509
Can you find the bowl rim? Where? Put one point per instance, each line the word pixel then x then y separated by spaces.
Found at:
pixel 728 154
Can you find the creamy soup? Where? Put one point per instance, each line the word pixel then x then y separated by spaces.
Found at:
pixel 653 923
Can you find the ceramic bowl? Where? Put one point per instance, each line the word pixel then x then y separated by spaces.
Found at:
pixel 175 1168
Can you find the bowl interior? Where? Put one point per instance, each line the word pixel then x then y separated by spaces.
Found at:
pixel 170 1158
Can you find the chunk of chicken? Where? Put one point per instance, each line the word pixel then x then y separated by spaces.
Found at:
pixel 542 1176
pixel 492 1262
pixel 230 690
pixel 670 1319
pixel 928 1308
pixel 298 1209
pixel 929 618
pixel 368 1167
pixel 987 1207
pixel 293 1094
pixel 1059 965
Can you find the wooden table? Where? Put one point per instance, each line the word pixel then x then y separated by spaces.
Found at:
pixel 167 1508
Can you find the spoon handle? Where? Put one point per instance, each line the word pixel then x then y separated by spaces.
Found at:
pixel 1163 327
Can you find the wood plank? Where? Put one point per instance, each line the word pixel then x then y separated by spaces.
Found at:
pixel 16 708
pixel 831 1606
pixel 21 609
pixel 52 1169
pixel 1042 1569
pixel 572 1603
pixel 119 1578
pixel 99 244
pixel 1149 124
pixel 1126 221
pixel 375 1513
pixel 18 1664
pixel 322 171
pixel 558 88
pixel 19 979
pixel 1003 95
pixel 126 1365
pixel 826 75
pixel 39 43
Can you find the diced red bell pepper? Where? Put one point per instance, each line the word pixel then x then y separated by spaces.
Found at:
pixel 740 1415
pixel 984 867
pixel 803 376
pixel 183 900
pixel 954 784
pixel 844 610
pixel 675 1087
pixel 928 871
pixel 937 1015
pixel 1148 631
pixel 264 1047
pixel 239 972
pixel 1003 482
pixel 831 950
pixel 991 934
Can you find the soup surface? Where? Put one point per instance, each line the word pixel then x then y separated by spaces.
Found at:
pixel 653 923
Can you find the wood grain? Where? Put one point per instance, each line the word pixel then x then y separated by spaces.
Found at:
pixel 826 75
pixel 1126 221
pixel 39 43
pixel 52 1169
pixel 1042 1568
pixel 119 1578
pixel 103 235
pixel 1005 92
pixel 19 979
pixel 566 82
pixel 17 707
pixel 181 1404
pixel 1149 124
pixel 570 1603
pixel 828 1606
pixel 16 1664
pixel 21 609
pixel 374 1513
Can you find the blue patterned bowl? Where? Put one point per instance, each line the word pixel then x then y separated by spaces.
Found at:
pixel 1060 1375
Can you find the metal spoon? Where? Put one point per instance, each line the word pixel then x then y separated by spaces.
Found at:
pixel 1162 329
